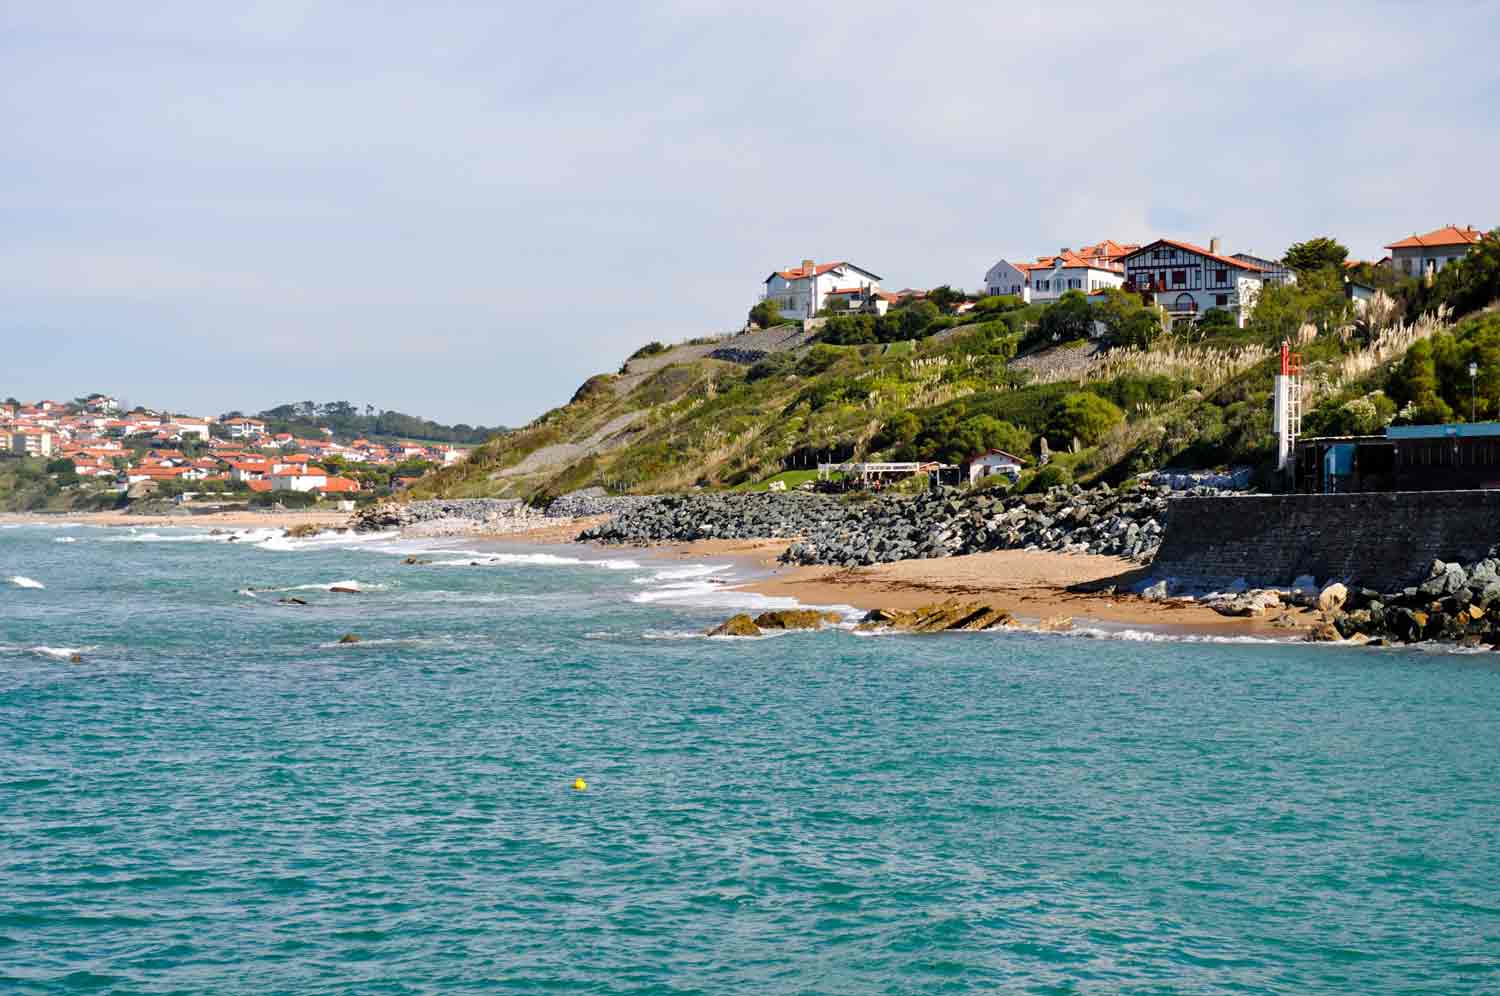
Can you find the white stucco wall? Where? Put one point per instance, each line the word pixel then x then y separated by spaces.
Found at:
pixel 804 297
pixel 1440 256
pixel 1004 278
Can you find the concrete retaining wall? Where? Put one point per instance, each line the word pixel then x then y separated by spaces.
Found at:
pixel 1384 540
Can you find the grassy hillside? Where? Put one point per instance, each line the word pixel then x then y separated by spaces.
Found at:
pixel 677 419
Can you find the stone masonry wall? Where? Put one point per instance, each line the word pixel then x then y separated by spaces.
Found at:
pixel 1381 540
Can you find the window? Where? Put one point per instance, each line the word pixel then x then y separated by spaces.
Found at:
pixel 1406 267
pixel 1162 254
pixel 1221 300
pixel 1221 276
pixel 1075 283
pixel 1179 278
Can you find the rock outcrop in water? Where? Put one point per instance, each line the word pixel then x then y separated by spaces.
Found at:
pixel 943 617
pixel 945 523
pixel 947 616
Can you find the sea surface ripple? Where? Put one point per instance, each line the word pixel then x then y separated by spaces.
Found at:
pixel 220 798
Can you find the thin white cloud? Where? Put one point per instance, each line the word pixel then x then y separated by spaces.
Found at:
pixel 540 188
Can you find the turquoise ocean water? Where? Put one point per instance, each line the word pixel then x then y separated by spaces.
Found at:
pixel 221 799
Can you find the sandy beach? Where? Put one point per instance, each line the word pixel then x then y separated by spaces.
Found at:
pixel 1033 585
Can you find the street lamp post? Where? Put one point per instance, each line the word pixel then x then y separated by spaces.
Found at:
pixel 1473 380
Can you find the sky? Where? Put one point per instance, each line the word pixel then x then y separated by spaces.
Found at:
pixel 462 210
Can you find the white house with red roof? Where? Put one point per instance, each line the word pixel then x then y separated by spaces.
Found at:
pixel 802 291
pixel 1010 278
pixel 301 478
pixel 245 428
pixel 1189 280
pixel 1426 255
pixel 1095 267
pixel 1053 276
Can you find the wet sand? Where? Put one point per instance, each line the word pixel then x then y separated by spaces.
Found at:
pixel 1032 585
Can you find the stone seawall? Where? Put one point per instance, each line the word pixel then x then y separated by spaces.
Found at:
pixel 1380 540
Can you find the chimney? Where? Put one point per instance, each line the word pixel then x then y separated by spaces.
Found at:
pixel 1213 245
pixel 1064 251
pixel 807 265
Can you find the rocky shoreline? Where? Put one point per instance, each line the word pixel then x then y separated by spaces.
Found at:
pixel 451 517
pixel 946 523
pixel 1457 603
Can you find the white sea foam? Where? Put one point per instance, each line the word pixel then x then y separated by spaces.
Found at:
pixel 60 653
pixel 65 539
pixel 1152 636
pixel 322 541
pixel 21 581
pixel 673 634
pixel 707 594
pixel 361 586
pixel 405 641
pixel 249 537
pixel 688 573
pixel 474 558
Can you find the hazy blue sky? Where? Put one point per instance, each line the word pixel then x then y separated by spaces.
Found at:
pixel 463 209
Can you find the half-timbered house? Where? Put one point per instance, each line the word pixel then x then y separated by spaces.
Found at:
pixel 1188 280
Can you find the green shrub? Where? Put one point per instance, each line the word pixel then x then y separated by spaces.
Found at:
pixel 649 349
pixel 1051 476
pixel 766 314
pixel 1084 416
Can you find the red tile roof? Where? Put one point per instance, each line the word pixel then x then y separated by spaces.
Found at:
pixel 797 273
pixel 1448 235
pixel 1239 264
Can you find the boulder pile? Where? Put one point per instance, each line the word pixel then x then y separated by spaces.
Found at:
pixel 448 517
pixel 940 523
pixel 716 515
pixel 1456 604
pixel 592 501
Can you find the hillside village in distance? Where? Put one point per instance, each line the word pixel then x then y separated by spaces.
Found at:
pixel 109 454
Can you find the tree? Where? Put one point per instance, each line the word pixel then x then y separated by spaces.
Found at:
pixel 945 297
pixel 915 318
pixel 998 304
pixel 1474 281
pixel 1070 318
pixel 1126 321
pixel 1216 321
pixel 902 427
pixel 1084 416
pixel 981 433
pixel 1318 253
pixel 766 314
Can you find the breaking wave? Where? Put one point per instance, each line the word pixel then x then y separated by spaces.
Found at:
pixel 473 558
pixel 21 581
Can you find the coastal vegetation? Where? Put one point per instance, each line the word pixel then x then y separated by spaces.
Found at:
pixel 926 382
pixel 348 421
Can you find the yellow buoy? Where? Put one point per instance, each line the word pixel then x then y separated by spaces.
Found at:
pixel 580 784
